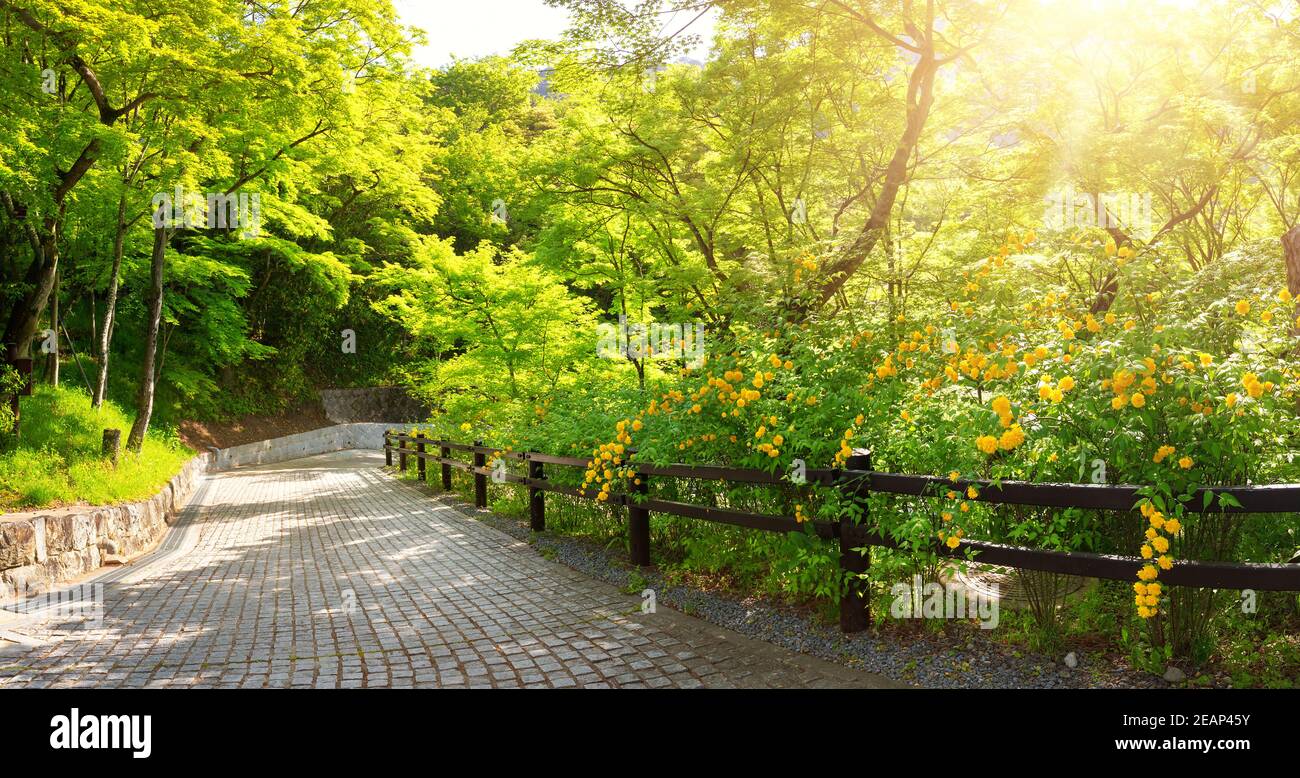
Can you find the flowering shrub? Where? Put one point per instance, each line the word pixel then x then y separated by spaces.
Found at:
pixel 1167 387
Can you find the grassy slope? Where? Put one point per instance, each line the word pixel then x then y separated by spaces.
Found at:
pixel 57 462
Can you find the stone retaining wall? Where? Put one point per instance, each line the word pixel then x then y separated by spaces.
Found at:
pixel 372 404
pixel 39 549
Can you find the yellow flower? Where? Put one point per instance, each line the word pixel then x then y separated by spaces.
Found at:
pixel 1185 463
pixel 1165 563
pixel 987 443
pixel 972 492
pixel 1173 526
pixel 465 427
pixel 1066 384
pixel 1160 544
pixel 1146 551
pixel 1012 438
pixel 953 476
pixel 953 541
pixel 1139 400
pixel 1001 405
pixel 1243 307
pixel 1147 573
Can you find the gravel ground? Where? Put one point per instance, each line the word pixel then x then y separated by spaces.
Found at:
pixel 926 661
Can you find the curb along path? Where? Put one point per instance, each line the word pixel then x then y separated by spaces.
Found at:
pixel 326 572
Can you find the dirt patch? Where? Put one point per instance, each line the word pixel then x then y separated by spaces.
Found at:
pixel 201 435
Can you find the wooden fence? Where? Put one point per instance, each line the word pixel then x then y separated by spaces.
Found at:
pixel 858 480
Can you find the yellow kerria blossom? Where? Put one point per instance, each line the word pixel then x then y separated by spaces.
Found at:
pixel 987 443
pixel 1185 463
pixel 1243 307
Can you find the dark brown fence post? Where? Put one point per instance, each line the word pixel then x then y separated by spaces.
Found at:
pixel 536 498
pixel 419 460
pixel 638 522
pixel 480 480
pixel 388 452
pixel 855 604
pixel 445 452
pixel 401 453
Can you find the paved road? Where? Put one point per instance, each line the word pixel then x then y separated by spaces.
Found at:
pixel 326 572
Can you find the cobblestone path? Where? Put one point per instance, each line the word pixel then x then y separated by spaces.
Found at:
pixel 326 572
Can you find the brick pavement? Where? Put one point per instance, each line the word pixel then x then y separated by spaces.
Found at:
pixel 326 572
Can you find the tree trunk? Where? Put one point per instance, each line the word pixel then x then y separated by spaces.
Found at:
pixel 1291 253
pixel 920 99
pixel 110 305
pixel 25 317
pixel 144 395
pixel 52 360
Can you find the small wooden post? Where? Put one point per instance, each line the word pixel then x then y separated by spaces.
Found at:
pixel 111 447
pixel 388 450
pixel 446 468
pixel 536 498
pixel 401 453
pixel 638 523
pixel 855 604
pixel 419 460
pixel 480 480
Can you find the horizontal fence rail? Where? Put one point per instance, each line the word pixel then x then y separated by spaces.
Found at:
pixel 859 480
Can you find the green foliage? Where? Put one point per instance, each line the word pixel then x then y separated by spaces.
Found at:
pixel 57 460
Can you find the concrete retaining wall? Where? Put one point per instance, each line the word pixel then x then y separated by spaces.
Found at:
pixel 304 444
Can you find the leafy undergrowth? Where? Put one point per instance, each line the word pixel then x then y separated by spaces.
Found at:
pixel 57 461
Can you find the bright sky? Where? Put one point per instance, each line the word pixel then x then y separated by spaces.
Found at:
pixel 477 28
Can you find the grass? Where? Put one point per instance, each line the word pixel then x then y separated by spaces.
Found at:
pixel 57 461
